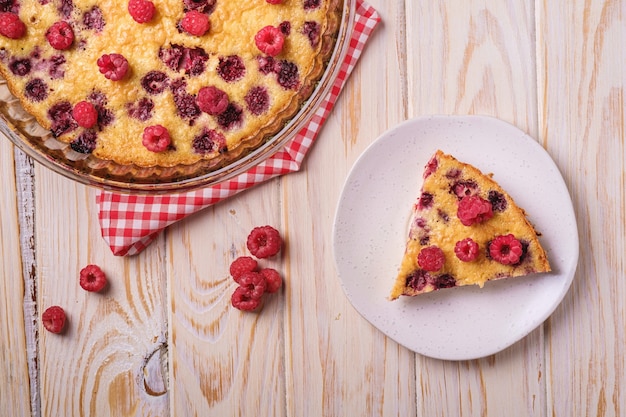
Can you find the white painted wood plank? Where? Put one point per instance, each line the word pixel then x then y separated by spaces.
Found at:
pixel 581 61
pixel 15 388
pixel 224 362
pixel 103 364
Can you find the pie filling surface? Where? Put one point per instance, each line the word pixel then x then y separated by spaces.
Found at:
pixel 165 82
pixel 465 230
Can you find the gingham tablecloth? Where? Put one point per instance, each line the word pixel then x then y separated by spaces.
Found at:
pixel 129 222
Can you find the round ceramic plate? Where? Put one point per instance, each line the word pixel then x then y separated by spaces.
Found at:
pixel 371 226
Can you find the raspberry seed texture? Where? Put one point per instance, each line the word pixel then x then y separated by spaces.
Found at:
pixel 60 35
pixel 53 319
pixel 506 249
pixel 431 258
pixel 264 242
pixel 92 278
pixel 11 26
pixel 113 66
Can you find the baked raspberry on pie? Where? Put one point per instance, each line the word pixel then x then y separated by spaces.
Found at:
pixel 465 230
pixel 170 82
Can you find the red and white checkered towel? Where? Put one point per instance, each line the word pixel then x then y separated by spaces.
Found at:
pixel 130 222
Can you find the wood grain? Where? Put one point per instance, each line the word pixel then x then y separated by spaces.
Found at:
pixel 15 392
pixel 582 123
pixel 108 345
pixel 163 340
pixel 224 361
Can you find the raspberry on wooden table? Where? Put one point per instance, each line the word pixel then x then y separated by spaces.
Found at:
pixel 242 265
pixel 242 299
pixel 53 319
pixel 254 282
pixel 11 26
pixel 264 241
pixel 92 278
pixel 272 279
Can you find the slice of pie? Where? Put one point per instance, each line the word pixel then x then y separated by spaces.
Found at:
pixel 465 229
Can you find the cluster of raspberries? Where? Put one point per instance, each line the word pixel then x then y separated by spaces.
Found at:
pixel 92 279
pixel 254 282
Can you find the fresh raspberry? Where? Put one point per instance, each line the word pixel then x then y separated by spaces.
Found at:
pixel 466 249
pixel 53 319
pixel 473 209
pixel 272 279
pixel 142 11
pixel 92 278
pixel 431 258
pixel 195 23
pixel 113 66
pixel 257 100
pixel 156 138
pixel 60 35
pixel 11 26
pixel 264 241
pixel 254 282
pixel 242 299
pixel 85 114
pixel 212 100
pixel 269 40
pixel 506 249
pixel 242 265
pixel 274 1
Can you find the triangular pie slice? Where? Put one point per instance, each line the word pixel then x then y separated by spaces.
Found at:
pixel 465 230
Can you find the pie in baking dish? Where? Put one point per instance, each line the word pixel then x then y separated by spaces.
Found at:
pixel 165 82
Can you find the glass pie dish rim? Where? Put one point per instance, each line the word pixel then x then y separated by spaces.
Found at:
pixel 52 153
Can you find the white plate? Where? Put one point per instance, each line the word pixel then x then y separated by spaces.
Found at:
pixel 371 226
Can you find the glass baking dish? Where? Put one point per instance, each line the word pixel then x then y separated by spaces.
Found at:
pixel 38 143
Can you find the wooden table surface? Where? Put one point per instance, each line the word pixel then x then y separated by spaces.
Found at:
pixel 164 341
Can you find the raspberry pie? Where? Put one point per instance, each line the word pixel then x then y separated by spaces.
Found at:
pixel 464 230
pixel 165 82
